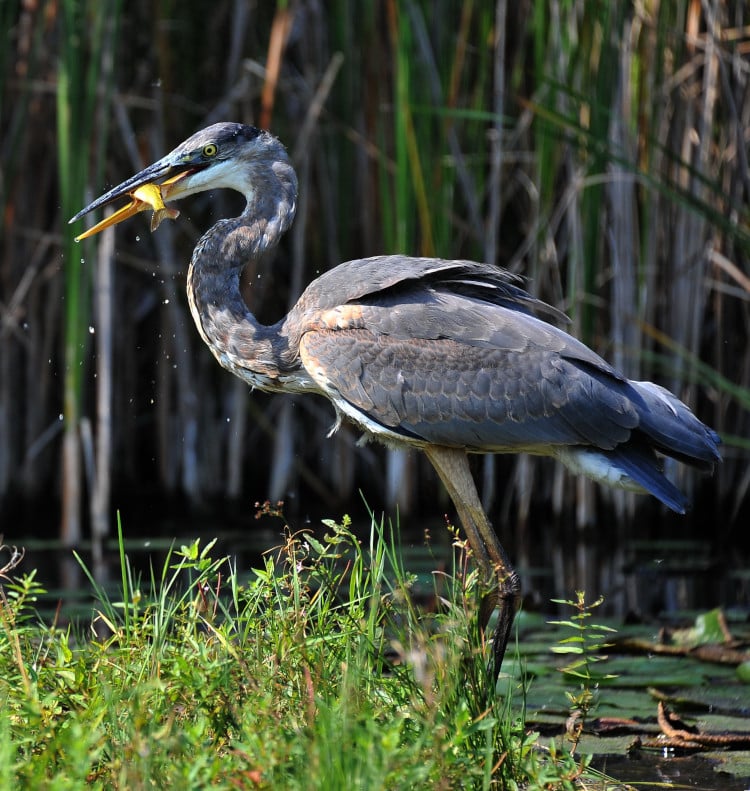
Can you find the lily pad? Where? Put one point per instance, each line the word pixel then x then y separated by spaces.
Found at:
pixel 735 763
pixel 706 694
pixel 709 627
pixel 717 698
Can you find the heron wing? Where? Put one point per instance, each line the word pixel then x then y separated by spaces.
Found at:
pixel 449 353
pixel 449 369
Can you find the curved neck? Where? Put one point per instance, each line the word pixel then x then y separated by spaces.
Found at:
pixel 236 338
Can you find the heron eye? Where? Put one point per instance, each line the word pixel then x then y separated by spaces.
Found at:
pixel 210 149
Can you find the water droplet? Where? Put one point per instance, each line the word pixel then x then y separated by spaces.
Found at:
pixel 138 238
pixel 91 330
pixel 166 302
pixel 60 416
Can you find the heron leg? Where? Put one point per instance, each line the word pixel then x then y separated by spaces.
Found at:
pixel 452 465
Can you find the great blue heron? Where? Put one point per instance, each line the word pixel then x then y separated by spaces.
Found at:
pixel 445 356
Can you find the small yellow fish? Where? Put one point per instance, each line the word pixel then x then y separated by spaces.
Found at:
pixel 150 194
pixel 147 196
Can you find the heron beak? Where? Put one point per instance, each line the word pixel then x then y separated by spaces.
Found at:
pixel 146 191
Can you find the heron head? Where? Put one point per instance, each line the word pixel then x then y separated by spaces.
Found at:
pixel 220 156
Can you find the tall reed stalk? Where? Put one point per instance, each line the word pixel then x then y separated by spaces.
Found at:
pixel 88 35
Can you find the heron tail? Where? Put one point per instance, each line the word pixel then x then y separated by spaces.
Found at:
pixel 633 466
pixel 673 430
pixel 666 428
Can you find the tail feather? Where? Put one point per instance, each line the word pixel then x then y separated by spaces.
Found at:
pixel 632 466
pixel 645 468
pixel 673 430
pixel 666 427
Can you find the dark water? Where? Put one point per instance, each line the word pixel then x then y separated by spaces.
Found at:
pixel 693 772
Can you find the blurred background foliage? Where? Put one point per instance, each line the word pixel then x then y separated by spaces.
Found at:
pixel 598 147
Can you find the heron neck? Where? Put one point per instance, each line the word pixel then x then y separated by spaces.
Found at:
pixel 237 339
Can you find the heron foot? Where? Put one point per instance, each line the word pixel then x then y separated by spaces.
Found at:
pixel 506 598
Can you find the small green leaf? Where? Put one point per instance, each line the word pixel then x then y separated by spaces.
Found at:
pixel 315 544
pixel 569 624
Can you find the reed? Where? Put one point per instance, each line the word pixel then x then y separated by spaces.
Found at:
pixel 608 166
pixel 85 71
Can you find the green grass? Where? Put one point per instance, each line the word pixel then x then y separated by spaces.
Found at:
pixel 318 670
